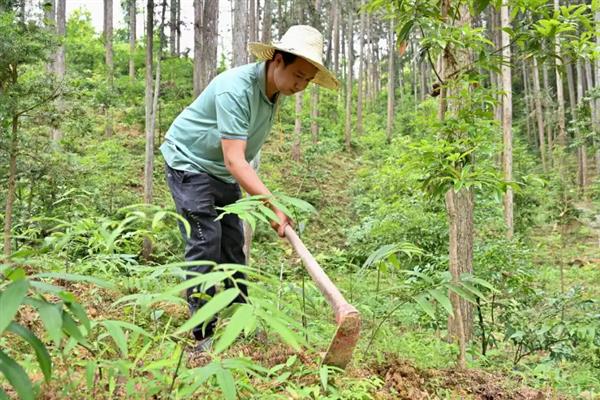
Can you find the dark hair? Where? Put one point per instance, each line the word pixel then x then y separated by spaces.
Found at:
pixel 288 58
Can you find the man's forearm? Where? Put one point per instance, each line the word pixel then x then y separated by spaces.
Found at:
pixel 247 177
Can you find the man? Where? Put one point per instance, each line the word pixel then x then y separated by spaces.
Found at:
pixel 209 145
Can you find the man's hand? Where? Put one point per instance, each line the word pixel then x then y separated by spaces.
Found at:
pixel 284 221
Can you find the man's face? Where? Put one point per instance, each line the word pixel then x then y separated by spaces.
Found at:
pixel 294 77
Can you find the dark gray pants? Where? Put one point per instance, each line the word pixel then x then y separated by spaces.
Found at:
pixel 196 195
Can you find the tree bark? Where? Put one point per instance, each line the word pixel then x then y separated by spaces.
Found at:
pixel 210 34
pixel 348 127
pixel 336 36
pixel 240 36
pixel 198 46
pixel 581 150
pixel 296 147
pixel 267 21
pixel 173 28
pixel 596 104
pixel 391 80
pixel 149 100
pixel 507 154
pixel 12 182
pixel 59 62
pixel 531 138
pixel 560 96
pixel 251 25
pixel 537 97
pixel 50 23
pixel 132 36
pixel 108 47
pixel 361 64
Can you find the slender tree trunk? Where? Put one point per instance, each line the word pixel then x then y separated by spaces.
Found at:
pixel 210 35
pixel 149 100
pixel 12 176
pixel 296 148
pixel 173 28
pixel 537 96
pixel 459 204
pixel 507 119
pixel 50 21
pixel 240 36
pixel 560 96
pixel 266 27
pixel 132 35
pixel 361 64
pixel 336 36
pixel 548 110
pixel 252 25
pixel 368 60
pixel 581 150
pixel 528 108
pixel 348 127
pixel 198 46
pixel 391 80
pixel 108 47
pixel 178 28
pixel 59 62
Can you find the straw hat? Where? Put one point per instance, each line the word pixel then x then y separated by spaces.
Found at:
pixel 303 41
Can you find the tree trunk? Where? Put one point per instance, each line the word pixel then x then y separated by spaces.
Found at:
pixel 132 35
pixel 59 62
pixel 173 28
pixel 361 64
pixel 368 60
pixel 296 148
pixel 12 181
pixel 537 97
pixel 560 96
pixel 108 47
pixel 336 36
pixel 391 80
pixel 149 100
pixel 507 119
pixel 596 104
pixel 178 28
pixel 459 205
pixel 198 44
pixel 240 36
pixel 581 150
pixel 348 127
pixel 531 138
pixel 210 24
pixel 49 21
pixel 266 27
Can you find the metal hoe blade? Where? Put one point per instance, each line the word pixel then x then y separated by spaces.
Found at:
pixel 347 317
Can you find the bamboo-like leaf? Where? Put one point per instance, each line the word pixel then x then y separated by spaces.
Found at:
pixel 41 352
pixel 242 316
pixel 323 374
pixel 10 299
pixel 80 313
pixel 422 301
pixel 462 293
pixel 76 278
pixel 226 383
pixel 443 299
pixel 51 315
pixel 288 336
pixel 16 376
pixel 116 332
pixel 216 304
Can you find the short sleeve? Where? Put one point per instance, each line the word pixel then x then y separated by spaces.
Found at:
pixel 233 115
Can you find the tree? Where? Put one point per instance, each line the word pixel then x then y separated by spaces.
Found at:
pixel 361 64
pixel 198 4
pixel 240 36
pixel 560 96
pixel 267 21
pixel 149 125
pixel 391 87
pixel 132 33
pixel 350 62
pixel 537 98
pixel 210 34
pixel 108 46
pixel 173 27
pixel 507 153
pixel 22 44
pixel 59 60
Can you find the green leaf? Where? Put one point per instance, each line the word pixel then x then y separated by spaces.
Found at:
pixel 41 352
pixel 471 288
pixel 3 395
pixel 51 315
pixel 216 304
pixel 288 336
pixel 76 278
pixel 462 293
pixel 116 332
pixel 80 313
pixel 16 376
pixel 242 316
pixel 323 374
pixel 422 301
pixel 71 328
pixel 10 300
pixel 443 299
pixel 226 383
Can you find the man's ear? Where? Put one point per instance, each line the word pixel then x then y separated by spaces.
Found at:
pixel 278 58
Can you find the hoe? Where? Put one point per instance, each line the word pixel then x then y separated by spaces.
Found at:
pixel 346 316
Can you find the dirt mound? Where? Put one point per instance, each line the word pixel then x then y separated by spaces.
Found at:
pixel 402 380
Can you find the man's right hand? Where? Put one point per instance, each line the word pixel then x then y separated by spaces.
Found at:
pixel 284 221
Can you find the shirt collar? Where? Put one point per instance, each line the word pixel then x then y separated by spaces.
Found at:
pixel 261 73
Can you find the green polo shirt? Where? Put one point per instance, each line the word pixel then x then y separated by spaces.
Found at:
pixel 233 106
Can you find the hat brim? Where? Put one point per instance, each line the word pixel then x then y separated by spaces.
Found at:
pixel 324 77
